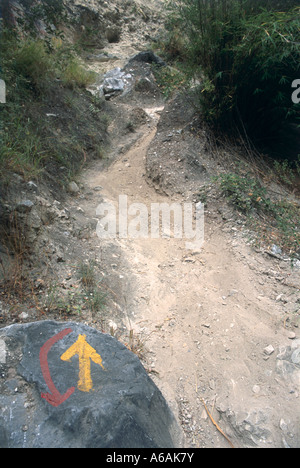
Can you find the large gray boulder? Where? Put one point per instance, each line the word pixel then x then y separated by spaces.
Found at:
pixel 68 385
pixel 148 56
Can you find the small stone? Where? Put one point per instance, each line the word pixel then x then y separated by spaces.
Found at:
pixel 2 352
pixel 296 356
pixel 285 444
pixel 291 335
pixel 25 206
pixel 212 384
pixel 276 250
pixel 282 352
pixel 2 92
pixel 256 389
pixel 73 188
pixel 283 425
pixel 206 325
pixel 189 260
pixel 233 292
pixel 269 350
pixel 23 316
pixel 32 186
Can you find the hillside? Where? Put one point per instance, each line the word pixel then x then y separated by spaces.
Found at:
pixel 216 328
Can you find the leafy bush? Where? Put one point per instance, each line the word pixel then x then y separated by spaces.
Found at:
pixel 275 221
pixel 244 193
pixel 247 58
pixel 34 63
pixel 75 75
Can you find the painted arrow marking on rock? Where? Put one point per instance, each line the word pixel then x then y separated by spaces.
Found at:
pixel 86 354
pixel 54 397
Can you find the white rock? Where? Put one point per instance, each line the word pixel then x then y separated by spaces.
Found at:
pixel 73 188
pixel 23 316
pixel 269 350
pixel 2 352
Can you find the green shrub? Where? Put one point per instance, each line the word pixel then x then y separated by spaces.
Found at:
pixel 274 221
pixel 34 63
pixel 75 75
pixel 245 193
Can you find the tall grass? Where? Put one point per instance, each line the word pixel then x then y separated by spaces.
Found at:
pixel 21 149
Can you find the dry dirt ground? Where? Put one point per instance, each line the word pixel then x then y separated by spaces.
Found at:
pixel 212 327
pixel 203 321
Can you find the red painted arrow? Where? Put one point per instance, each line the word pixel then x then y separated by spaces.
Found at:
pixel 54 397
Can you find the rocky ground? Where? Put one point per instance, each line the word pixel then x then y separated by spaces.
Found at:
pixel 217 329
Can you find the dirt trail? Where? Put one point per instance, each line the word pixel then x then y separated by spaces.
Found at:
pixel 204 318
pixel 212 324
pixel 216 328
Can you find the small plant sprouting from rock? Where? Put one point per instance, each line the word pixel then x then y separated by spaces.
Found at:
pixel 86 297
pixel 86 274
pixel 94 296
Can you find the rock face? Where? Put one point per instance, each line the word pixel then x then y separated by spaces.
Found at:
pixel 148 56
pixel 67 385
pixel 115 82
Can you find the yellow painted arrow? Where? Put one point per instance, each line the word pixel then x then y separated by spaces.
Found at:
pixel 85 354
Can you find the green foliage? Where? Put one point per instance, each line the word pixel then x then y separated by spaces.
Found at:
pixel 170 79
pixel 74 75
pixel 245 193
pixel 20 147
pixel 93 295
pixel 87 274
pixel 275 221
pixel 267 61
pixel 34 63
pixel 246 58
pixel 42 75
pixel 88 296
pixel 285 172
pixel 172 44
